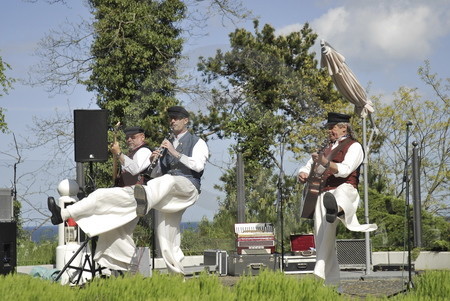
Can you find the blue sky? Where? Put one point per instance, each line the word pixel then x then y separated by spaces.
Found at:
pixel 384 43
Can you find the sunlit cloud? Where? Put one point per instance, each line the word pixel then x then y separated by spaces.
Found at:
pixel 388 30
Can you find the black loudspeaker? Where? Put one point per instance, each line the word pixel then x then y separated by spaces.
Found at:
pixel 8 247
pixel 91 135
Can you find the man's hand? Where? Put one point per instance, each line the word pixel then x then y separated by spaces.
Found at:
pixel 319 159
pixel 302 177
pixel 167 144
pixel 115 148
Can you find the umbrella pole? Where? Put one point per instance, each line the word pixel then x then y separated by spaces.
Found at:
pixel 366 194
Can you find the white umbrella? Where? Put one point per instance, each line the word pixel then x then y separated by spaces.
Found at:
pixel 347 84
pixel 344 80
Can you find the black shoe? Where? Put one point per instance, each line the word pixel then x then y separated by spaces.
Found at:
pixel 55 210
pixel 141 200
pixel 329 202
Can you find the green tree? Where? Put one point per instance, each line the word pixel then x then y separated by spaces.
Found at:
pixel 430 128
pixel 263 86
pixel 6 85
pixel 142 34
pixel 389 213
pixel 136 46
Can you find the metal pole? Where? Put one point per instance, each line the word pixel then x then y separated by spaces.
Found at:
pixel 240 194
pixel 366 195
pixel 417 204
pixel 80 175
pixel 408 215
pixel 280 195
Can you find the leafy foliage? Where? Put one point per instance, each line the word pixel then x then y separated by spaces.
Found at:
pixel 389 213
pixel 6 85
pixel 263 87
pixel 429 130
pixel 31 253
pixel 135 48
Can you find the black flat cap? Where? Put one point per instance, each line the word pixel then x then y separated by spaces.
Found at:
pixel 133 130
pixel 334 118
pixel 178 111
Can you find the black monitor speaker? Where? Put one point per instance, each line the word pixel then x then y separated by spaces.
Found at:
pixel 91 135
pixel 8 247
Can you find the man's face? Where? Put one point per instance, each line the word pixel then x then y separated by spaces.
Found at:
pixel 135 140
pixel 335 131
pixel 178 124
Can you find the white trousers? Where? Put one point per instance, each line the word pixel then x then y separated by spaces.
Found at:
pixel 327 265
pixel 110 214
pixel 170 196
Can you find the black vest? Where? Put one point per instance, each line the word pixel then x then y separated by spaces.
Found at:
pixel 127 179
pixel 173 166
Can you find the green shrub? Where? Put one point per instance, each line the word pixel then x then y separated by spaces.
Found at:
pixel 268 285
pixel 431 285
pixel 31 253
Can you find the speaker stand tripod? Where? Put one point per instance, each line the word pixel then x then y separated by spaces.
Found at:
pixel 87 260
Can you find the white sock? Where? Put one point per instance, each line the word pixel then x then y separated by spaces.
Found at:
pixel 65 214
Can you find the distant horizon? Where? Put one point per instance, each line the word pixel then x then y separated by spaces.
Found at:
pixel 50 232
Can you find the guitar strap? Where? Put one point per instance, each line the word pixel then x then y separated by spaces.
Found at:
pixel 338 148
pixel 310 199
pixel 333 154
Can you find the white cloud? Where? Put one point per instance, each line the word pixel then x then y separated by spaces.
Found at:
pixel 392 30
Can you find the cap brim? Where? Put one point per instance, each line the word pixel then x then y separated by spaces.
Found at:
pixel 134 133
pixel 175 115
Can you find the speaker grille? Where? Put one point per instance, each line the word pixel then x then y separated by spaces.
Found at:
pixel 91 135
pixel 351 253
pixel 6 205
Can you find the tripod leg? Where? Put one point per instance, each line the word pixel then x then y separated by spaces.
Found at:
pixel 153 238
pixel 72 259
pixel 86 260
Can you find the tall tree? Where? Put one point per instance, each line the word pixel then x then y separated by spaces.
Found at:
pixel 135 49
pixel 430 128
pixel 267 93
pixel 139 43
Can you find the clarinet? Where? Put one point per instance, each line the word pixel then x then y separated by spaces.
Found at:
pixel 162 152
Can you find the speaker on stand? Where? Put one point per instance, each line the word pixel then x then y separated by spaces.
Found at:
pixel 91 145
pixel 91 135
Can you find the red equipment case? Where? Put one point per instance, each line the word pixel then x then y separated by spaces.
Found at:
pixel 255 244
pixel 302 242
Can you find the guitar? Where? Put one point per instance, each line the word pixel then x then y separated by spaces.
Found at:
pixel 115 166
pixel 315 180
pixel 312 188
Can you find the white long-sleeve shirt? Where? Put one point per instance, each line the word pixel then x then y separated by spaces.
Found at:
pixel 139 162
pixel 352 160
pixel 196 162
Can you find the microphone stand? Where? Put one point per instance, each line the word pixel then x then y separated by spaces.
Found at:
pixel 408 218
pixel 280 195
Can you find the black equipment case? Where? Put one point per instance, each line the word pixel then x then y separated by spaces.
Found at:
pixel 217 260
pixel 299 264
pixel 252 264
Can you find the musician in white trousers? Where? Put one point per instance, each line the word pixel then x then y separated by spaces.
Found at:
pixel 112 212
pixel 339 198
